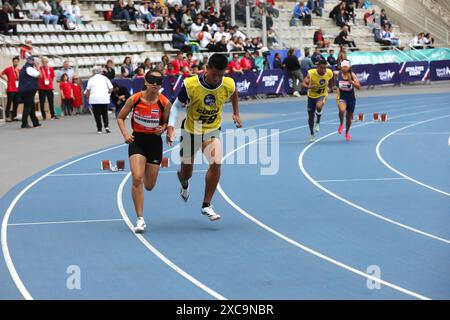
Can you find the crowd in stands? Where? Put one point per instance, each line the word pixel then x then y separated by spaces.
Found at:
pixel 50 12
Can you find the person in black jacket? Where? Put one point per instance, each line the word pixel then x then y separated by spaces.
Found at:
pixel 5 25
pixel 28 86
pixel 109 71
pixel 119 96
pixel 292 65
pixel 277 64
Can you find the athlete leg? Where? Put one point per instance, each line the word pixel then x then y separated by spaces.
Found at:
pixel 212 149
pixel 150 176
pixel 137 166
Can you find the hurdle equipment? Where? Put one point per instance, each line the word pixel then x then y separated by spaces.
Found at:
pixel 361 117
pixel 376 117
pixel 120 164
pixel 384 117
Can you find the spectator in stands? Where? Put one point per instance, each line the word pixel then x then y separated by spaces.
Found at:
pixel 28 85
pixel 303 13
pixel 234 45
pixel 26 49
pixel 204 37
pixel 417 42
pixel 108 70
pixel 271 38
pixel 342 55
pixel 127 69
pixel 428 41
pixel 306 62
pixel 220 33
pixel 58 10
pixel 144 13
pixel 193 10
pixel 331 59
pixel 204 62
pixel 66 69
pixel 180 40
pixel 389 36
pixel 119 96
pixel 178 63
pixel 221 46
pixel 98 91
pixel 147 65
pixel 11 75
pixel 234 66
pixel 77 95
pixel 162 66
pixel 196 27
pixel 172 22
pixel 256 44
pixel 73 12
pixel 277 63
pixel 316 6
pixel 246 62
pixel 317 56
pixel 140 73
pixel 186 20
pixel 13 4
pixel 349 13
pixel 344 38
pixel 367 4
pixel 120 11
pixel 341 19
pixel 234 31
pixel 190 60
pixel 46 89
pixel 292 65
pixel 319 39
pixel 5 24
pixel 369 17
pixel 224 18
pixel 45 12
pixel 132 12
pixel 383 18
pixel 65 88
pixel 336 9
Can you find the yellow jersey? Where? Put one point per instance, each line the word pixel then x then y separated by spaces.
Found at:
pixel 204 111
pixel 319 82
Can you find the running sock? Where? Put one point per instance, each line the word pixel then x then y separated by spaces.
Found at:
pixel 184 183
pixel 205 204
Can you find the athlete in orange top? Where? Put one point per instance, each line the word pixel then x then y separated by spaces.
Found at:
pixel 150 112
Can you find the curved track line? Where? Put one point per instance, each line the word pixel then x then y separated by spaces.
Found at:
pixel 354 205
pixel 155 251
pixel 386 164
pixel 303 247
pixel 4 237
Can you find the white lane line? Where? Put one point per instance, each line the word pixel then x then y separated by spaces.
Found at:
pixel 110 173
pixel 299 245
pixel 420 133
pixel 88 174
pixel 62 222
pixel 4 230
pixel 386 164
pixel 316 253
pixel 155 251
pixel 354 205
pixel 358 180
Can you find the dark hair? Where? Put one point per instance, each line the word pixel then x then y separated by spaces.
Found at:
pixel 64 75
pixel 291 51
pixel 322 62
pixel 218 62
pixel 149 72
pixel 126 58
pixel 16 58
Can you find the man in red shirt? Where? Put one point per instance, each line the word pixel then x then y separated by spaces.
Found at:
pixel 178 63
pixel 234 66
pixel 11 75
pixel 46 88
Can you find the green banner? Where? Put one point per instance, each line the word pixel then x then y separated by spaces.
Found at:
pixel 398 56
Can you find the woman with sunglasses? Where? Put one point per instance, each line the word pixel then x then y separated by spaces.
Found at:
pixel 150 111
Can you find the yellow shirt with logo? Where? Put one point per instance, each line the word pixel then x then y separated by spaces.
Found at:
pixel 319 82
pixel 204 112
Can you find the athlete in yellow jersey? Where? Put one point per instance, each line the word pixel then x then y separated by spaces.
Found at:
pixel 204 96
pixel 317 83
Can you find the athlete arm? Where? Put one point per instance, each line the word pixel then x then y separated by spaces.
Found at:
pixel 307 82
pixel 172 120
pixel 235 103
pixel 355 81
pixel 121 120
pixel 165 118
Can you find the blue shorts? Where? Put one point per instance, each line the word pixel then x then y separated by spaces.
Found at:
pixel 312 103
pixel 350 103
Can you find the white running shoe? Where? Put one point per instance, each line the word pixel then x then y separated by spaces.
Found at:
pixel 210 213
pixel 140 226
pixel 297 94
pixel 312 138
pixel 317 127
pixel 184 193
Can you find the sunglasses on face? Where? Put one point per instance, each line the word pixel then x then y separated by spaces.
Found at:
pixel 156 80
